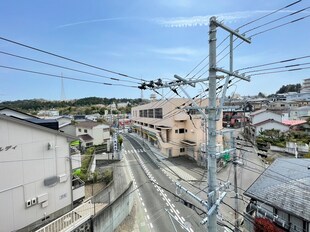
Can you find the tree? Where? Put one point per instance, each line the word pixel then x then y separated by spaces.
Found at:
pixel 261 95
pixel 120 140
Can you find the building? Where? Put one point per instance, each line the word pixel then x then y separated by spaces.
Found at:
pixel 15 113
pixel 281 194
pixel 89 132
pixel 172 130
pixel 93 133
pixel 36 165
pixel 299 113
pixel 49 113
pixel 265 120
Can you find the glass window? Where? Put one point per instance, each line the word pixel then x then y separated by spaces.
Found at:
pixel 145 113
pixel 181 131
pixel 182 149
pixel 85 131
pixel 158 113
pixel 151 113
pixel 140 113
pixel 80 129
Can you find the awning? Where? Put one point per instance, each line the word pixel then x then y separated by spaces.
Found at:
pixel 164 127
pixel 188 142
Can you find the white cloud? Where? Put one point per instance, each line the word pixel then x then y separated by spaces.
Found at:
pixel 89 21
pixel 180 51
pixel 195 21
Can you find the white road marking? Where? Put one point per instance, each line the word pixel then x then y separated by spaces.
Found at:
pixel 148 217
pixel 151 225
pixel 145 210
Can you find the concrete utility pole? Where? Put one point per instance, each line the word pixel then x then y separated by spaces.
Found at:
pixel 211 147
pixel 214 113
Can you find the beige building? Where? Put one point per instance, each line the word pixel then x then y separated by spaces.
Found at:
pixel 174 131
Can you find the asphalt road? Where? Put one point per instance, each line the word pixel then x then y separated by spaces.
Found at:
pixel 162 210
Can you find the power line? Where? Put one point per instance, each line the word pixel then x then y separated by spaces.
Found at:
pixel 64 77
pixel 275 68
pixel 289 70
pixel 69 59
pixel 255 20
pixel 276 62
pixel 281 25
pixel 63 67
pixel 275 20
pixel 271 13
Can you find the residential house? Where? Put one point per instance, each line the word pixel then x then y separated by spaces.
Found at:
pixel 49 113
pixel 264 120
pixel 36 167
pixel 281 193
pixel 93 133
pixel 299 113
pixel 172 130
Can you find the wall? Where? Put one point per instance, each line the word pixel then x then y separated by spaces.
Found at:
pixel 23 168
pixel 69 129
pixel 271 125
pixel 265 116
pixel 109 218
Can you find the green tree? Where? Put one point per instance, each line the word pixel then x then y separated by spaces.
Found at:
pixel 120 140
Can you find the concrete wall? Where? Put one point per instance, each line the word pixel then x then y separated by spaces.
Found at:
pixel 25 162
pixel 112 216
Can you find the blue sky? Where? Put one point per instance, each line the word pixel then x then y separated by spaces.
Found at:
pixel 141 38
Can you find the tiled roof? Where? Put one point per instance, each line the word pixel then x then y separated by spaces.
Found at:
pixel 285 185
pixel 268 121
pixel 87 124
pixel 293 122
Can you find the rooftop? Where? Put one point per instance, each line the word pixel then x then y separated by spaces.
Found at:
pixel 285 185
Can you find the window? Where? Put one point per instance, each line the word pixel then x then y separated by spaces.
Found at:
pixel 85 131
pixel 140 113
pixel 182 131
pixel 80 129
pixel 145 113
pixel 151 113
pixel 182 149
pixel 89 144
pixel 176 131
pixel 158 113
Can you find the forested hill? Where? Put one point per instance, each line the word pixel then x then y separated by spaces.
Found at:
pixel 40 104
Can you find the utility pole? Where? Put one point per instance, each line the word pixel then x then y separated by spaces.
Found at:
pixel 214 113
pixel 211 147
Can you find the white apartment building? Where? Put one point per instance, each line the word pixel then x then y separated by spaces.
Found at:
pixel 174 131
pixel 36 174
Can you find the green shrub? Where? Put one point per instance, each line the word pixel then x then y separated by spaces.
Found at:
pixel 107 176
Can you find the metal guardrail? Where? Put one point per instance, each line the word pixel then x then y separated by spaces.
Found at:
pixel 70 220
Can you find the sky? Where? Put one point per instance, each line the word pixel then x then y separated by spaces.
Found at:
pixel 143 39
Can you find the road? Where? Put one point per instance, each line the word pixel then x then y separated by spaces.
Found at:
pixel 163 211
